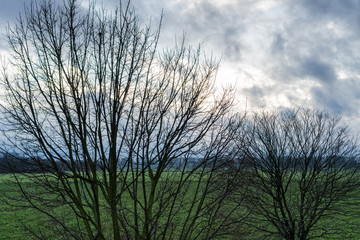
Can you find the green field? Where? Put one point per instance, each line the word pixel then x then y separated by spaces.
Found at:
pixel 14 221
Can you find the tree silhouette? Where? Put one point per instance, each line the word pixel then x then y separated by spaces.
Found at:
pixel 301 169
pixel 131 137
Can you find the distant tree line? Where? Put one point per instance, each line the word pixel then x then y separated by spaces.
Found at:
pixel 12 163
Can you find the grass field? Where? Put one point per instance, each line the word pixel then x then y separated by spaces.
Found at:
pixel 13 220
pixel 18 222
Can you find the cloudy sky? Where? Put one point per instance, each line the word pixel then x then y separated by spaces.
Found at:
pixel 279 53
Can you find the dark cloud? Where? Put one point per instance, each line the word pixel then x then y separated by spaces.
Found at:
pixel 341 97
pixel 9 10
pixel 345 12
pixel 255 91
pixel 255 95
pixel 311 48
pixel 315 68
pixel 333 8
pixel 325 98
pixel 218 26
pixel 278 44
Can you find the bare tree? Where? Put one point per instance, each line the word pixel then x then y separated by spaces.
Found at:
pixel 131 139
pixel 302 165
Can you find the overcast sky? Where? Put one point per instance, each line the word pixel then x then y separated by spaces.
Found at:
pixel 279 53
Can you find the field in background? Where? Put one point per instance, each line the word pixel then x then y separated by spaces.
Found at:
pixel 13 221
